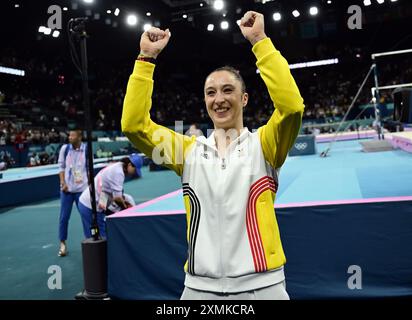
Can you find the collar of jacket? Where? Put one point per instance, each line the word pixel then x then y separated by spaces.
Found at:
pixel 211 142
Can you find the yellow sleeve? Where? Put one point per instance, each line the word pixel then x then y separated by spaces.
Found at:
pixel 164 146
pixel 279 133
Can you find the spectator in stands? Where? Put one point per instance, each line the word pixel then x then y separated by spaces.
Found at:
pixel 6 161
pixel 73 181
pixel 34 160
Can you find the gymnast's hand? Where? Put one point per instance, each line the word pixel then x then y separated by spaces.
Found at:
pixel 153 41
pixel 252 26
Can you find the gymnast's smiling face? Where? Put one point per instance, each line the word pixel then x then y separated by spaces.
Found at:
pixel 225 99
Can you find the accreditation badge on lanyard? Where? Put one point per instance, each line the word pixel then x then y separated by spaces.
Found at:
pixel 76 166
pixel 78 176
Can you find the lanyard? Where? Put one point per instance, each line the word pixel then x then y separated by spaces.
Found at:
pixel 77 161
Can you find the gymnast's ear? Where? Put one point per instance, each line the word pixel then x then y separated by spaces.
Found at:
pixel 245 99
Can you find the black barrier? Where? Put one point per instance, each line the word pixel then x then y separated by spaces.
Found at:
pixel 27 190
pixel 346 251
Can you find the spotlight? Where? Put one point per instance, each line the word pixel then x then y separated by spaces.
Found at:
pixel 148 14
pixel 367 3
pixel 116 12
pixel 224 25
pixel 296 13
pixel 56 33
pixel 210 27
pixel 277 16
pixel 109 11
pixel 380 1
pixel 313 11
pixel 184 16
pixel 42 29
pixel 131 20
pixel 218 5
pixel 147 26
pixel 47 31
pixel 88 1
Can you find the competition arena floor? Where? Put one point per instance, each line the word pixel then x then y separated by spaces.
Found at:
pixel 29 233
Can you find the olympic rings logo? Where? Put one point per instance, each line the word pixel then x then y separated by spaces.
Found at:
pixel 301 146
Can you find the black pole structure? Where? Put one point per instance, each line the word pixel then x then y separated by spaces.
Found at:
pixel 94 249
pixel 376 101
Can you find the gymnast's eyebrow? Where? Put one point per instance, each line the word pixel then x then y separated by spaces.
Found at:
pixel 226 85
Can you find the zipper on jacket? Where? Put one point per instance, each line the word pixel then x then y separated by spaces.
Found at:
pixel 223 165
pixel 221 225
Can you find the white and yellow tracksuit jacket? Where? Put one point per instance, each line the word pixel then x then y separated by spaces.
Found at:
pixel 233 237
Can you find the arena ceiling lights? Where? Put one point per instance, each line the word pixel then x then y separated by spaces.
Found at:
pixel 311 64
pixel 146 26
pixel 224 25
pixel 316 63
pixel 277 16
pixel 131 20
pixel 313 11
pixel 47 31
pixel 12 71
pixel 218 5
pixel 368 3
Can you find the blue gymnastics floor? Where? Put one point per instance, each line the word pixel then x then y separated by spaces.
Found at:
pixel 346 174
pixel 27 173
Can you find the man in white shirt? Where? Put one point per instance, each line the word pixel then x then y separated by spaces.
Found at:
pixel 109 189
pixel 73 181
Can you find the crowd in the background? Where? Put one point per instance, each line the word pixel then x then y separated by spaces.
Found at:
pixel 12 133
pixel 41 106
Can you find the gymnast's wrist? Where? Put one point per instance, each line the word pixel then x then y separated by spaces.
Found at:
pixel 147 57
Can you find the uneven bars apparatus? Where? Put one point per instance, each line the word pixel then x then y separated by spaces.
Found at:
pixel 375 95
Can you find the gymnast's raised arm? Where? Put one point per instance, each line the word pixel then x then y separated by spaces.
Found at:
pixel 163 145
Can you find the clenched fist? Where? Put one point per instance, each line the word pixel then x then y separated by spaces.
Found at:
pixel 252 26
pixel 153 41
